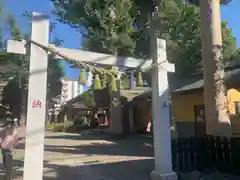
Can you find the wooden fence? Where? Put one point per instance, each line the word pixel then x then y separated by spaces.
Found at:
pixel 190 154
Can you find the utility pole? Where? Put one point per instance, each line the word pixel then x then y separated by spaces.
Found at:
pixel 217 117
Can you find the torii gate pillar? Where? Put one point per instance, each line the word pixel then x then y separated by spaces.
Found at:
pixel 161 114
pixel 36 114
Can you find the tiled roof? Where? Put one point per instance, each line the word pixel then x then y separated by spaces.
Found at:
pixel 131 93
pixel 195 82
pixel 199 82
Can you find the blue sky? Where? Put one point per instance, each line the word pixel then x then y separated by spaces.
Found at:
pixel 72 39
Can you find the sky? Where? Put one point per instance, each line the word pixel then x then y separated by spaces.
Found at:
pixel 72 39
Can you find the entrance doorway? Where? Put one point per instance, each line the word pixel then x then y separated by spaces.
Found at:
pixel 200 120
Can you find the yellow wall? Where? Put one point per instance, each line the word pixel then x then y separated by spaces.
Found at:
pixel 233 95
pixel 183 105
pixel 183 111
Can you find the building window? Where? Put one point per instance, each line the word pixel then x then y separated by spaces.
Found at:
pixel 65 91
pixel 64 87
pixel 64 95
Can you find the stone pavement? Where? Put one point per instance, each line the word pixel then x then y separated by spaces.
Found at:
pixel 92 156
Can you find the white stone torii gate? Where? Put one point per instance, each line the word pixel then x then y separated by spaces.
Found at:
pixel 35 130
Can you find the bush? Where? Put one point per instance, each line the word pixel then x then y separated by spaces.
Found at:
pixel 60 127
pixel 75 128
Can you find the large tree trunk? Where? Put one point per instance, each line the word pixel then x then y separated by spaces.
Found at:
pixel 217 118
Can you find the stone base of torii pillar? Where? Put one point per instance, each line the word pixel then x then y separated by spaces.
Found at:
pixel 167 176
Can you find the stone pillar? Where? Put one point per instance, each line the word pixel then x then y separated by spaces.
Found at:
pixel 35 129
pixel 161 116
pixel 116 126
pixel 56 118
pixel 217 118
pixel 131 120
pixel 131 81
pixel 49 118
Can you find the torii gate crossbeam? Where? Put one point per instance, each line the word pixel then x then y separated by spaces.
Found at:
pixel 34 148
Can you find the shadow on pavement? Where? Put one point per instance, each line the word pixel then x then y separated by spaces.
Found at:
pixel 129 146
pixel 104 149
pixel 127 170
pixel 133 146
pixel 134 168
pixel 96 134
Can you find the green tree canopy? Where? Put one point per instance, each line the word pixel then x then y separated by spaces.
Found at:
pixel 102 23
pixel 106 26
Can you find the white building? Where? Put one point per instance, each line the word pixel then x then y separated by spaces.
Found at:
pixel 70 89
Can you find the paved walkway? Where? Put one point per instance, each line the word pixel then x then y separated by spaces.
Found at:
pixel 91 156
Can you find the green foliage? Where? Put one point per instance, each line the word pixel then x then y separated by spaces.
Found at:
pixel 75 128
pixel 11 93
pixel 229 43
pixel 55 68
pixel 106 26
pixel 81 123
pixel 184 40
pixel 55 73
pixel 88 99
pixel 13 27
pixel 186 34
pixel 19 67
pixel 60 127
pixel 123 27
pixel 1 8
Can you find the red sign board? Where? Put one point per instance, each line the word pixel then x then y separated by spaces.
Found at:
pixel 36 104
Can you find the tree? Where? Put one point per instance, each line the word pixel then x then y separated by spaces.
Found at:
pixel 1 7
pixel 177 22
pixel 106 26
pixel 216 111
pixel 18 76
pixel 183 37
pixel 88 99
pixel 55 68
pixel 12 95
